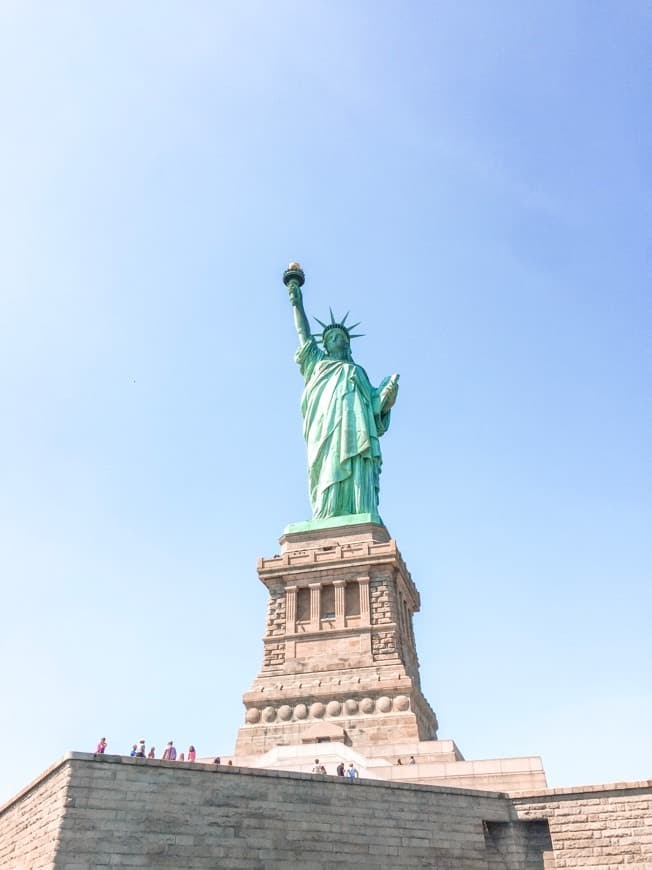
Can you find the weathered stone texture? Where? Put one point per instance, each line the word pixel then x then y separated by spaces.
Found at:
pixel 595 826
pixel 384 645
pixel 90 811
pixel 128 812
pixel 379 594
pixel 30 824
pixel 275 622
pixel 274 654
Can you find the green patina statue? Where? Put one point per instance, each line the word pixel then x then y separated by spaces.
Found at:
pixel 343 415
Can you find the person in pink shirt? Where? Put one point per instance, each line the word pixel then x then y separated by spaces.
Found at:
pixel 101 746
pixel 192 754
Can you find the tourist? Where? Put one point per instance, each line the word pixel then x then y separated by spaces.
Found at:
pixel 230 762
pixel 140 752
pixel 217 760
pixel 101 746
pixel 152 753
pixel 170 753
pixel 317 767
pixel 182 757
pixel 340 769
pixel 134 750
pixel 352 772
pixel 192 753
pixel 412 761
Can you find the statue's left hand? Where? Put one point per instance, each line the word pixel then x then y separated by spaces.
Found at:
pixel 389 393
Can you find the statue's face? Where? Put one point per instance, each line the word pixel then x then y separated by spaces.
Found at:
pixel 336 344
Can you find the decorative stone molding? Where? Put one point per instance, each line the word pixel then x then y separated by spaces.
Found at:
pixel 340 587
pixel 365 611
pixel 334 709
pixel 291 608
pixel 315 605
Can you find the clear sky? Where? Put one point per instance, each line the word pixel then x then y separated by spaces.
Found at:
pixel 472 180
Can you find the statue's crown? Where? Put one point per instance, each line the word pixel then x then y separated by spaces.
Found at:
pixel 334 324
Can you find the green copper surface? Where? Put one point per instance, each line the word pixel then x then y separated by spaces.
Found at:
pixel 344 416
pixel 333 523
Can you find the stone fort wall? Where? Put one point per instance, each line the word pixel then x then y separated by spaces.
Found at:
pixel 30 822
pixel 89 811
pixel 595 826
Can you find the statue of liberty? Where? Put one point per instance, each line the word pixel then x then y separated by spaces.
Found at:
pixel 343 414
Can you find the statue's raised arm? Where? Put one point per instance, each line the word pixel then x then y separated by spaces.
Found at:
pixel 294 279
pixel 343 415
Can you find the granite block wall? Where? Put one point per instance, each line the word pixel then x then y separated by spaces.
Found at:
pixel 135 813
pixel 594 827
pixel 106 811
pixel 30 824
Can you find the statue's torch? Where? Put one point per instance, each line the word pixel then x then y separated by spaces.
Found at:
pixel 294 274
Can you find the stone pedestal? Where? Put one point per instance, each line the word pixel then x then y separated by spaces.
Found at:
pixel 339 661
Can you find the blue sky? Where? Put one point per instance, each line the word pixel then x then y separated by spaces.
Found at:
pixel 472 180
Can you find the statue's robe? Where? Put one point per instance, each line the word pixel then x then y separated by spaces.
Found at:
pixel 342 423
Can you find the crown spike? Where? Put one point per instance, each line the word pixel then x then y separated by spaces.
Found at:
pixel 334 324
